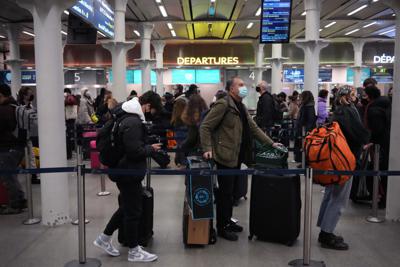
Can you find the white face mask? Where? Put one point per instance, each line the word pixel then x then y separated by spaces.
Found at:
pixel 214 99
pixel 65 94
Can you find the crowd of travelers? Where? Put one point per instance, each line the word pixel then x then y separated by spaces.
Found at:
pixel 222 131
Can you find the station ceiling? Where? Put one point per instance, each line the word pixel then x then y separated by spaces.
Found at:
pixel 230 20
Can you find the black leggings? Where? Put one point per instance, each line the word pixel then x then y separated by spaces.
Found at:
pixel 128 213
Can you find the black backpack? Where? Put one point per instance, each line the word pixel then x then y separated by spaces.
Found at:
pixel 108 143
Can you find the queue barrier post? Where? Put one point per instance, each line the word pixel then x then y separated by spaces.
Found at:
pixel 306 261
pixel 79 157
pixel 31 220
pixel 82 261
pixel 374 217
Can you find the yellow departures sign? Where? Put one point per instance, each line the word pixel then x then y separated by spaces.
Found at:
pixel 208 60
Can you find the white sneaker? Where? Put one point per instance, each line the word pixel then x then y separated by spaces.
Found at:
pixel 106 246
pixel 139 255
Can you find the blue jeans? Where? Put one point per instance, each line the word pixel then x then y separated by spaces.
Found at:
pixel 334 200
pixel 10 159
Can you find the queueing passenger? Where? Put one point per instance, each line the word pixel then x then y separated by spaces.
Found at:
pixel 336 196
pixel 10 152
pixel 86 108
pixel 100 98
pixel 323 113
pixel 180 130
pixel 226 133
pixel 71 114
pixel 306 119
pixel 281 98
pixel 294 105
pixel 103 110
pixel 131 95
pixel 265 116
pixel 132 135
pixel 178 91
pixel 377 119
pixel 191 117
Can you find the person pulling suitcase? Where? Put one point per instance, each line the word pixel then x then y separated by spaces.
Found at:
pixel 225 135
pixel 128 138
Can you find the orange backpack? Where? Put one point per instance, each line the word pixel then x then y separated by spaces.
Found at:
pixel 327 149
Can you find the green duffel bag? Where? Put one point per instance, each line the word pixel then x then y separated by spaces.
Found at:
pixel 268 157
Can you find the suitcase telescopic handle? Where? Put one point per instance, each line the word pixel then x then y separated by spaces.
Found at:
pixel 148 174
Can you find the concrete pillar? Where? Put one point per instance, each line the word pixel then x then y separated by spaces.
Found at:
pixel 159 49
pixel 277 68
pixel 393 196
pixel 312 46
pixel 14 60
pixel 251 100
pixel 118 49
pixel 50 100
pixel 358 46
pixel 145 61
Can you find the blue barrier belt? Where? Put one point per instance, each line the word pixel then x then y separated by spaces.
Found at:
pixel 222 172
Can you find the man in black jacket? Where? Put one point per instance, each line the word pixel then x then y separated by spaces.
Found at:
pixel 10 152
pixel 131 135
pixel 377 119
pixel 265 107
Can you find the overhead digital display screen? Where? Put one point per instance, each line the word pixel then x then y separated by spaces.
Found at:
pixel 365 74
pixel 293 76
pixel 382 75
pixel 275 21
pixel 183 76
pixel 325 75
pixel 98 13
pixel 208 76
pixel 27 77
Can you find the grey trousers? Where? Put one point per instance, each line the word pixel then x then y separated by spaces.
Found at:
pixel 335 198
pixel 10 159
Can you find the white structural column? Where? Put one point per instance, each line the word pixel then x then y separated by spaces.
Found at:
pixel 50 84
pixel 312 46
pixel 358 45
pixel 276 68
pixel 159 49
pixel 118 48
pixel 251 100
pixel 145 61
pixel 393 196
pixel 14 61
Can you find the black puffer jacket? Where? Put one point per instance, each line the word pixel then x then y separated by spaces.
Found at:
pixel 265 111
pixel 8 123
pixel 306 118
pixel 352 127
pixel 132 134
pixel 378 120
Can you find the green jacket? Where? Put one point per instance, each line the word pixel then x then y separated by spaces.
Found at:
pixel 221 133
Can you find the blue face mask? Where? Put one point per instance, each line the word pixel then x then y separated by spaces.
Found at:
pixel 243 92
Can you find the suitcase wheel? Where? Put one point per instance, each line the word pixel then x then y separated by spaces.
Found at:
pixel 251 237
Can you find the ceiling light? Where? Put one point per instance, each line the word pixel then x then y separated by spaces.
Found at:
pixel 28 33
pixel 136 32
pixel 102 34
pixel 330 24
pixel 88 67
pixel 357 10
pixel 212 1
pixel 170 26
pixel 66 12
pixel 173 33
pixel 320 30
pixel 368 25
pixel 163 11
pixel 304 13
pixel 2 36
pixel 328 66
pixel 237 66
pixel 353 31
pixel 63 33
pixel 250 25
pixel 375 1
pixel 158 1
pixel 394 15
pixel 29 68
pixel 386 32
pixel 258 13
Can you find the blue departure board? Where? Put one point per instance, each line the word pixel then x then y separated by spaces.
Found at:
pixel 98 13
pixel 275 21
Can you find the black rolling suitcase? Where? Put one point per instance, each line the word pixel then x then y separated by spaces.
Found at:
pixel 146 221
pixel 275 202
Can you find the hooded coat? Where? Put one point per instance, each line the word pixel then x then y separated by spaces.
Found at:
pixel 132 136
pixel 377 121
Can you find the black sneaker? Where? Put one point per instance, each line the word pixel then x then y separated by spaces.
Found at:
pixel 337 237
pixel 233 227
pixel 330 242
pixel 228 235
